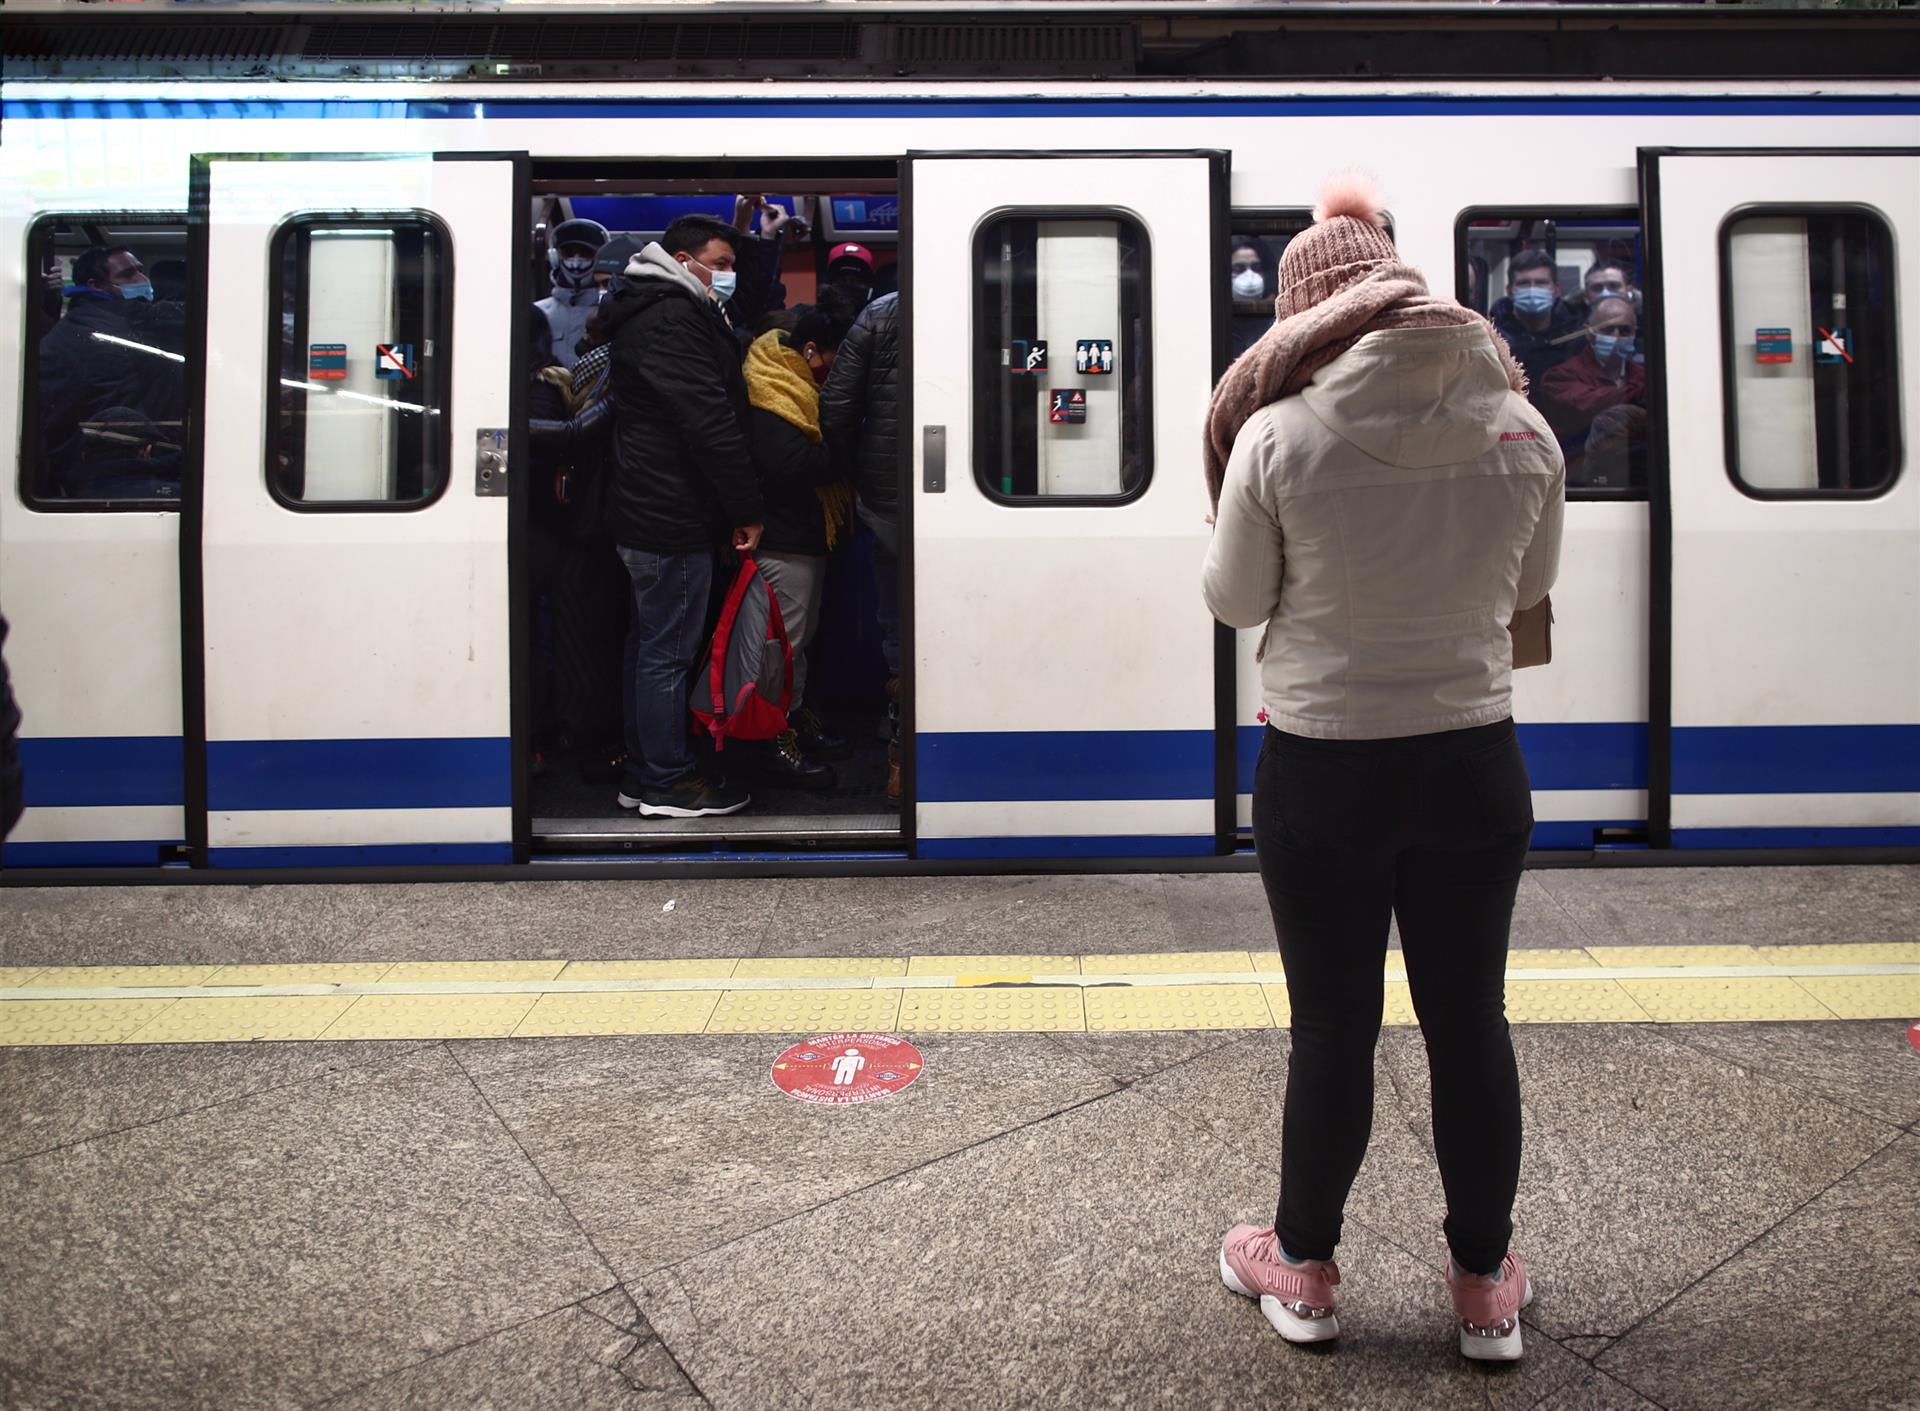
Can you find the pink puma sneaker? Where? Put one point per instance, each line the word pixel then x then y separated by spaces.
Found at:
pixel 1297 1298
pixel 1489 1311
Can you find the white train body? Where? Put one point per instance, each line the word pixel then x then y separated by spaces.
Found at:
pixel 1730 670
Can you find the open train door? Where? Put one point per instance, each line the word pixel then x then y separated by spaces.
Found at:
pixel 345 514
pixel 1064 323
pixel 1786 513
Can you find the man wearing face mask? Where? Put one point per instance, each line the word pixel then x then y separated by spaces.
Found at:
pixel 1539 327
pixel 112 393
pixel 1596 400
pixel 682 483
pixel 575 294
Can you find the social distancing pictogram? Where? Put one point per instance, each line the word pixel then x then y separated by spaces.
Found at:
pixel 838 1070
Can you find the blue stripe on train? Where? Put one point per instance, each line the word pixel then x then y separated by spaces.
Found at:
pixel 371 855
pixel 93 771
pixel 1058 765
pixel 86 854
pixel 243 775
pixel 1796 759
pixel 881 108
pixel 1131 845
pixel 1575 756
pixel 1743 838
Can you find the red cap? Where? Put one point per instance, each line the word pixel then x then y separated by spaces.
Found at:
pixel 851 251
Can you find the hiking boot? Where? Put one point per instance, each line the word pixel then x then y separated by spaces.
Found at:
pixel 786 763
pixel 692 797
pixel 816 740
pixel 1297 1298
pixel 1488 1307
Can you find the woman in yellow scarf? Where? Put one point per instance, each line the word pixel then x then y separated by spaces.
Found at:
pixel 809 505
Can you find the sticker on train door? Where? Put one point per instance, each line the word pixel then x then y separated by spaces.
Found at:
pixel 327 362
pixel 393 362
pixel 1834 345
pixel 1027 358
pixel 1067 406
pixel 1773 345
pixel 1093 356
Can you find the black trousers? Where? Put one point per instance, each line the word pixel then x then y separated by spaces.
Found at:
pixel 1431 829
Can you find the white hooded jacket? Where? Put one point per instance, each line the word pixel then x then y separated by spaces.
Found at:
pixel 1385 524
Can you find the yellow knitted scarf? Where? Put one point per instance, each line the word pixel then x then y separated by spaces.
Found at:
pixel 779 381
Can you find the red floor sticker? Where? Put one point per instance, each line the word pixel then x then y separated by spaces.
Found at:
pixel 840 1069
pixel 1913 1036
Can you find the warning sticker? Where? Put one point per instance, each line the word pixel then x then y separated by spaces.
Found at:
pixel 1067 405
pixel 327 362
pixel 1093 356
pixel 1027 358
pixel 393 361
pixel 1834 345
pixel 1773 345
pixel 838 1070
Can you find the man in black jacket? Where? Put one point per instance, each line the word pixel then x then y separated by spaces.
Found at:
pixel 860 413
pixel 682 477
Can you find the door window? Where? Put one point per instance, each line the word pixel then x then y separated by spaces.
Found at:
pixel 1812 362
pixel 1062 375
pixel 363 328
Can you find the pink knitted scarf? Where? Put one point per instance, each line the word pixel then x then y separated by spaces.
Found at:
pixel 1315 322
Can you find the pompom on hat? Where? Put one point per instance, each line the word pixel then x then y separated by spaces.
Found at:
pixel 1347 242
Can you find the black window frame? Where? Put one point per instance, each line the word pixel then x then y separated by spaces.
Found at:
pixel 1649 266
pixel 439 331
pixel 1728 411
pixel 989 380
pixel 26 461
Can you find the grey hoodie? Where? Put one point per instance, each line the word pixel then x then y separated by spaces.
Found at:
pixel 653 262
pixel 1385 524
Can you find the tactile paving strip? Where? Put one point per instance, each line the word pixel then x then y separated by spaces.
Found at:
pixel 1843 953
pixel 14 976
pixel 983 1011
pixel 86 977
pixel 440 970
pixel 1177 1007
pixel 804 1011
pixel 575 1015
pixel 1704 1001
pixel 1571 1002
pixel 351 974
pixel 243 1019
pixel 1617 957
pixel 1193 962
pixel 431 1017
pixel 33 1022
pixel 648 970
pixel 977 965
pixel 815 967
pixel 1866 996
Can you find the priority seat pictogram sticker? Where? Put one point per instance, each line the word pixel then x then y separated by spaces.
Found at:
pixel 393 362
pixel 838 1070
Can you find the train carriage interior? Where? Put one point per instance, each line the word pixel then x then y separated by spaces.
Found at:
pixel 804 226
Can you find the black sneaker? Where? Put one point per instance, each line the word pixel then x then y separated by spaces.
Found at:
pixel 690 798
pixel 786 763
pixel 816 739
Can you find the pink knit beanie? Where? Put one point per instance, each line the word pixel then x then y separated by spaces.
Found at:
pixel 1347 243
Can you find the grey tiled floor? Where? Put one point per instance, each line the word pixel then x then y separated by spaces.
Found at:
pixel 646 1223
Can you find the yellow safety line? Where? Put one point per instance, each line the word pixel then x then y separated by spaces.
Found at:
pixel 1018 994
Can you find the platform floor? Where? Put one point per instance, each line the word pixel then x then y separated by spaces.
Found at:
pixel 1717 1193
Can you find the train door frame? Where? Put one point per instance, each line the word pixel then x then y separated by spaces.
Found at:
pixel 194 634
pixel 1661 634
pixel 1224 839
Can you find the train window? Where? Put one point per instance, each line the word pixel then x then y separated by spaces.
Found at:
pixel 104 419
pixel 1061 368
pixel 1563 288
pixel 1810 352
pixel 1253 269
pixel 364 312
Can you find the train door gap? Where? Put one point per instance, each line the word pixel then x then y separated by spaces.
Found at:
pixel 579 591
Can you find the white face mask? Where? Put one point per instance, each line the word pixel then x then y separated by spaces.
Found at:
pixel 1249 284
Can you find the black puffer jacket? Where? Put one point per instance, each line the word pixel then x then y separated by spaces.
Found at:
pixel 12 777
pixel 860 405
pixel 791 469
pixel 682 475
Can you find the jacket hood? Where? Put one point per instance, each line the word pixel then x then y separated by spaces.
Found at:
pixel 651 275
pixel 1415 397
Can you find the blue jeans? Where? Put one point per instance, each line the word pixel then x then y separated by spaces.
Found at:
pixel 886 582
pixel 663 642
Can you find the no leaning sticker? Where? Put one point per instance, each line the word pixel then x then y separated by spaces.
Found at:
pixel 838 1070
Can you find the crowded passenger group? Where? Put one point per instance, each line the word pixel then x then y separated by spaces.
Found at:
pixel 684 416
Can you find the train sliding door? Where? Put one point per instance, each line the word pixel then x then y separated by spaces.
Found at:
pixel 1063 325
pixel 1787 607
pixel 348 689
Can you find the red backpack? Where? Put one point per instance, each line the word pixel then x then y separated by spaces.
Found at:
pixel 749 677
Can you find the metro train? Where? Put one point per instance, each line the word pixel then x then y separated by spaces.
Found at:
pixel 295 626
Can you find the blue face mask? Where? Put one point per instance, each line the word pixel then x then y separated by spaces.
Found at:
pixel 1608 346
pixel 1534 299
pixel 724 282
pixel 142 290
